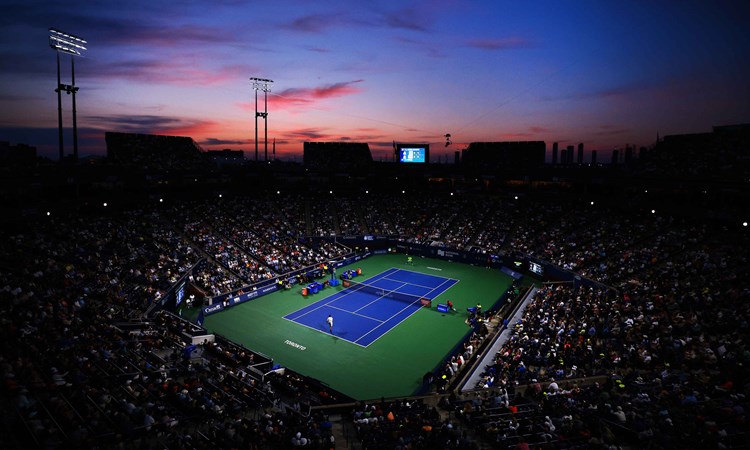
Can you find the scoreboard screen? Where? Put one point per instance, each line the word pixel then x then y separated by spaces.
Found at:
pixel 413 153
pixel 179 294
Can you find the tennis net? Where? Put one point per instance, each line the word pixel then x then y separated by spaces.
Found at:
pixel 369 289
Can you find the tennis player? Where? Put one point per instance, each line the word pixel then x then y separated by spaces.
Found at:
pixel 329 320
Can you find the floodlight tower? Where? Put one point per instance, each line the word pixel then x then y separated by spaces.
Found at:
pixel 72 45
pixel 261 84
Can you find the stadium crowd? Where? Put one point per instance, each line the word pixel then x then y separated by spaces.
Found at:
pixel 82 364
pixel 407 424
pixel 83 367
pixel 671 342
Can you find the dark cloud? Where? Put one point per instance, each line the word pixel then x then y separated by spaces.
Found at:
pixel 611 130
pixel 159 36
pixel 410 19
pixel 159 70
pixel 319 49
pixel 508 43
pixel 618 91
pixel 308 133
pixel 13 97
pixel 315 23
pixel 538 129
pixel 146 124
pixel 217 141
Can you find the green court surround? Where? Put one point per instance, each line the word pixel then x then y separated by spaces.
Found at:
pixel 394 364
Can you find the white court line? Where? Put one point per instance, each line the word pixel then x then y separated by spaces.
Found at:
pixel 335 297
pixel 379 276
pixel 425 274
pixel 394 326
pixel 356 313
pixel 404 284
pixel 389 291
pixel 325 332
pixel 328 300
pixel 446 280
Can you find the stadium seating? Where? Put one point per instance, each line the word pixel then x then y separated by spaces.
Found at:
pixel 84 365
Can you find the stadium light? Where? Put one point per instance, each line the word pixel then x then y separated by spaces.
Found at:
pixel 261 84
pixel 72 45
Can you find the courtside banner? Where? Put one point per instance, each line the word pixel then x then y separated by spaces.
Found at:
pixel 208 310
pixel 511 272
pixel 236 300
pixel 352 259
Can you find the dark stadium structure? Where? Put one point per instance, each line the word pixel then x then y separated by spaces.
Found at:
pixel 626 326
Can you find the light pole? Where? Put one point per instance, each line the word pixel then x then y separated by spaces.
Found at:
pixel 261 84
pixel 72 45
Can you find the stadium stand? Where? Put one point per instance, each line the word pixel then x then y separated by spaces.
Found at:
pixel 154 153
pixel 654 355
pixel 349 157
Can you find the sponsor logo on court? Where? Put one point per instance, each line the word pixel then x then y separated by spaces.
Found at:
pixel 295 345
pixel 211 309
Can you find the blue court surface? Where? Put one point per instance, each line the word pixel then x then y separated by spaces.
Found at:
pixel 361 317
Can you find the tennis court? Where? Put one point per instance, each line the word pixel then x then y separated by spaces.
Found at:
pixel 365 312
pixel 391 366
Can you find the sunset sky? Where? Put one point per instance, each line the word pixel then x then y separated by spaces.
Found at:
pixel 605 73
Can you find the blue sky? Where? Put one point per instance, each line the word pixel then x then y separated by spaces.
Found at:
pixel 607 74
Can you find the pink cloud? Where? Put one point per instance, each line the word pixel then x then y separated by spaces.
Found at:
pixel 296 97
pixel 332 90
